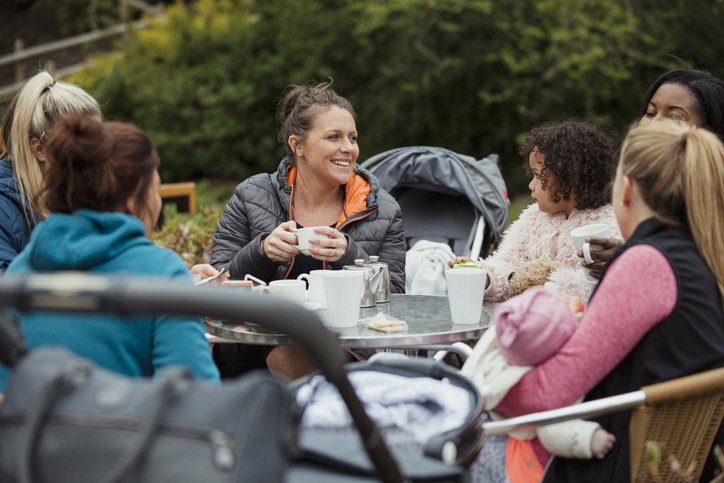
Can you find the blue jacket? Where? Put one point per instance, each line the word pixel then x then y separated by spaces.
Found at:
pixel 14 229
pixel 111 243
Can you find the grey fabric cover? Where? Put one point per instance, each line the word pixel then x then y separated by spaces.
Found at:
pixel 261 203
pixel 439 170
pixel 239 432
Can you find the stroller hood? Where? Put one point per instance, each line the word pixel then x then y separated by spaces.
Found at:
pixel 444 171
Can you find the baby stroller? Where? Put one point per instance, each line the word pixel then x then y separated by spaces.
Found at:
pixel 445 196
pixel 365 458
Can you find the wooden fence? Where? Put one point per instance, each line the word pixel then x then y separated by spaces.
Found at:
pixel 21 54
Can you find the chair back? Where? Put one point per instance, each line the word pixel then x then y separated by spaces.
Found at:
pixel 683 415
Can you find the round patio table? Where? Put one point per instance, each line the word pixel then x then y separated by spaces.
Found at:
pixel 427 317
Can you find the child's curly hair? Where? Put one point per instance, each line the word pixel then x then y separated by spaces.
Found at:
pixel 581 157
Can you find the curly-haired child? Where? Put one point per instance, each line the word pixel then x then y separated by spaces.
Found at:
pixel 573 164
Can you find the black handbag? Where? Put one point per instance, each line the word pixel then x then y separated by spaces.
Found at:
pixel 64 419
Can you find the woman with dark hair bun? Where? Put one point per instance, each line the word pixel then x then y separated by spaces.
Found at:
pixel 102 191
pixel 318 184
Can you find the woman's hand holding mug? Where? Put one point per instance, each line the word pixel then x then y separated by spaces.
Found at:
pixel 328 249
pixel 278 246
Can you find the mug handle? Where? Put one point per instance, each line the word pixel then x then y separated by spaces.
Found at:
pixel 587 252
pixel 254 279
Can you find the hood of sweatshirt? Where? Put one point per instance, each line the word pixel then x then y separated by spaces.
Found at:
pixel 83 240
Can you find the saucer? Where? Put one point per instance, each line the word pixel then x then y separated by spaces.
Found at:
pixel 312 306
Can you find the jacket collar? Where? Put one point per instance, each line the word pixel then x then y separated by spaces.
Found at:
pixel 360 190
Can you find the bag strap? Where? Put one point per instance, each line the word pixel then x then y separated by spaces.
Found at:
pixel 12 342
pixel 173 382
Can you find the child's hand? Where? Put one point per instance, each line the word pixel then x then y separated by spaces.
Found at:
pixel 576 304
pixel 450 263
pixel 601 443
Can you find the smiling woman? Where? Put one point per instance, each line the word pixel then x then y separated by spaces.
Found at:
pixel 318 184
pixel 690 95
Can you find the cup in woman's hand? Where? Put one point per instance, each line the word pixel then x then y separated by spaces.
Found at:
pixel 303 236
pixel 579 236
pixel 465 291
pixel 292 290
pixel 344 290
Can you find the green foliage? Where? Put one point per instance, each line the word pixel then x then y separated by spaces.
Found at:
pixel 470 75
pixel 191 236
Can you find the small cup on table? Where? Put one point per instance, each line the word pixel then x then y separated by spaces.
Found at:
pixel 292 290
pixel 465 291
pixel 315 291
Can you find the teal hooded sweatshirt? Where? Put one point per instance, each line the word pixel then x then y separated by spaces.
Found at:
pixel 105 243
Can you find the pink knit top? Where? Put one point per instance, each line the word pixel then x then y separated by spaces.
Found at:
pixel 638 291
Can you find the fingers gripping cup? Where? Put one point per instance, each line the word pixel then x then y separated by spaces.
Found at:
pixel 303 236
pixel 579 236
pixel 465 289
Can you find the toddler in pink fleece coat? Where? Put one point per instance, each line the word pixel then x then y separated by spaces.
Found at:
pixel 573 164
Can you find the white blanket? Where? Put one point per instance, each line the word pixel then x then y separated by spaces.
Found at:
pixel 425 265
pixel 407 410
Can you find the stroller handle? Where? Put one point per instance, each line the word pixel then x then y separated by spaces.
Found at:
pixel 584 410
pixel 130 295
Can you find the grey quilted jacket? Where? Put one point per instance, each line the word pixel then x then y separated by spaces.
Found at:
pixel 261 203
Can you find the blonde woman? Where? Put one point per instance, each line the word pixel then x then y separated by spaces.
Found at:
pixel 40 103
pixel 656 314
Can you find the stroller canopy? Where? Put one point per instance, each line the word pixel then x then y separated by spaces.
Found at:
pixel 445 196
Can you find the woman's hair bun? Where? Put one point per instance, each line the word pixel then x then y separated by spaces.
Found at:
pixel 81 140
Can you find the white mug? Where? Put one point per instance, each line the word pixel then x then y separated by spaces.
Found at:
pixel 303 236
pixel 315 291
pixel 344 290
pixel 465 291
pixel 292 290
pixel 579 236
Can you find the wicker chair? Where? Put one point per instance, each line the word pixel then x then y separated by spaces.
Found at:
pixel 682 414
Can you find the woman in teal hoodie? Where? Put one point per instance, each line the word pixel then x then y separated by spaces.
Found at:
pixel 102 191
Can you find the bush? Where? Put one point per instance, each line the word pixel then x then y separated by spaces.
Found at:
pixel 473 76
pixel 191 236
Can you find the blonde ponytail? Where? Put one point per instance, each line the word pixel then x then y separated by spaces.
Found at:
pixel 704 194
pixel 680 170
pixel 33 112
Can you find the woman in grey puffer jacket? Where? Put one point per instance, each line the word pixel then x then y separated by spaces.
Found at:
pixel 261 203
pixel 317 184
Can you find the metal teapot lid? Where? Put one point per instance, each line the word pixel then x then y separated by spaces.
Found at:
pixel 359 264
pixel 375 260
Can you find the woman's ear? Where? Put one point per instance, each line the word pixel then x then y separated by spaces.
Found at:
pixel 296 146
pixel 38 149
pixel 130 207
pixel 627 190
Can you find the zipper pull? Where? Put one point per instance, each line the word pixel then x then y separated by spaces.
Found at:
pixel 223 453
